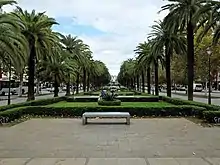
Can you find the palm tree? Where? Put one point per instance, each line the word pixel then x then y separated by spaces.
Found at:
pixel 71 45
pixel 170 41
pixel 100 75
pixel 143 50
pixel 125 76
pixel 152 58
pixel 57 68
pixel 183 14
pixel 36 28
pixel 210 22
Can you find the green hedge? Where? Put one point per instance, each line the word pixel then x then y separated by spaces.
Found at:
pixel 186 102
pixel 183 110
pixel 82 99
pixel 91 94
pixel 212 116
pixel 123 99
pixel 109 103
pixel 33 103
pixel 139 99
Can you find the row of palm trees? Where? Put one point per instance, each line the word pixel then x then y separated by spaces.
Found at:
pixel 28 43
pixel 175 34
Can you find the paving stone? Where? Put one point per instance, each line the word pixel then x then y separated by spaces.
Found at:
pixel 150 138
pixel 213 161
pixel 117 161
pixel 13 161
pixel 72 161
pixel 191 161
pixel 162 161
pixel 57 161
pixel 44 161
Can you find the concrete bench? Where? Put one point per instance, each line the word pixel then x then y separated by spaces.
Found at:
pixel 87 115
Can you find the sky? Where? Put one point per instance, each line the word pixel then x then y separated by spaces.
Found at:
pixel 112 28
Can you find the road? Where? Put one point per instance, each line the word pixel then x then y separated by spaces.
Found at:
pixel 15 99
pixel 215 101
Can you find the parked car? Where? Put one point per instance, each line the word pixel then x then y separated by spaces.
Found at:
pixel 197 87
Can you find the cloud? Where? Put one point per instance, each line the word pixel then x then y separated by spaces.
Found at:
pixel 123 23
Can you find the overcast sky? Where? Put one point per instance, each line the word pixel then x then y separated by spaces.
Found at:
pixel 112 28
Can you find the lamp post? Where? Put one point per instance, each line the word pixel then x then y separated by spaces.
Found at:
pixel 209 68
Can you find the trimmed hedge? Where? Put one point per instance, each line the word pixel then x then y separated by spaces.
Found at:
pixel 33 103
pixel 139 99
pixel 186 102
pixel 212 116
pixel 172 110
pixel 91 94
pixel 109 103
pixel 82 99
pixel 122 98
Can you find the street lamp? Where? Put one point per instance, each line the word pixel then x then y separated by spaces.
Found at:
pixel 209 52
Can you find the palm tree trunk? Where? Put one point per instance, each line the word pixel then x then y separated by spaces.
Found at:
pixel 84 80
pixel 31 73
pixel 190 59
pixel 138 83
pixel 148 81
pixel 56 87
pixel 77 83
pixel 21 84
pixel 88 82
pixel 68 86
pixel 38 87
pixel 156 79
pixel 168 74
pixel 143 81
pixel 0 70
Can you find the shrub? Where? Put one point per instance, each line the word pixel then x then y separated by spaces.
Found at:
pixel 82 99
pixel 91 93
pixel 33 103
pixel 172 110
pixel 137 93
pixel 186 102
pixel 122 98
pixel 139 99
pixel 109 103
pixel 212 116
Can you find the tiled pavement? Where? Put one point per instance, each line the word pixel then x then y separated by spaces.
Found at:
pixel 146 141
pixel 110 161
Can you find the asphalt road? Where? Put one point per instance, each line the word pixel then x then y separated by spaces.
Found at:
pixel 15 99
pixel 215 101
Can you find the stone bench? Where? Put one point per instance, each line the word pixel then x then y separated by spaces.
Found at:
pixel 87 115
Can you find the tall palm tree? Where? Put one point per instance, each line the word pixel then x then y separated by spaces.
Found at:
pixel 184 15
pixel 72 45
pixel 36 27
pixel 143 50
pixel 170 41
pixel 153 58
pixel 6 2
pixel 57 68
pixel 210 22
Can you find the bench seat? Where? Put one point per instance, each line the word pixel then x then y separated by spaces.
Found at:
pixel 106 115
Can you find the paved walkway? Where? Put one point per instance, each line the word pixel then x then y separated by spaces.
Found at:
pixel 111 161
pixel 144 142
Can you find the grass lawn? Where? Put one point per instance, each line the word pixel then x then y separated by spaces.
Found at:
pixel 124 104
